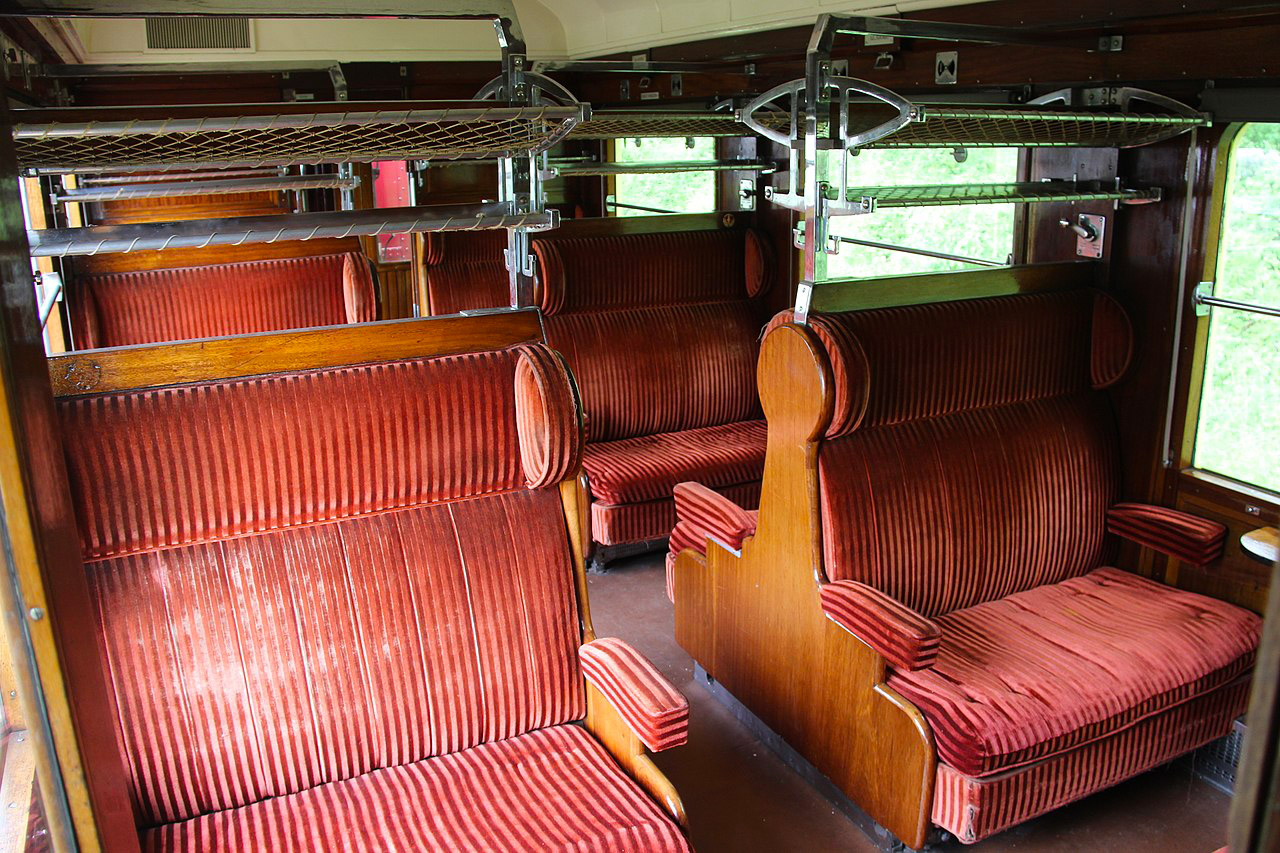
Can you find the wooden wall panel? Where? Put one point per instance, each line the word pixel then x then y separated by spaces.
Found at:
pixel 396 290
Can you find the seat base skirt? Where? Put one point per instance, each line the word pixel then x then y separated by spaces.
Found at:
pixel 551 789
pixel 972 809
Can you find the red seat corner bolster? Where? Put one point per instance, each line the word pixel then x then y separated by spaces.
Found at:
pixel 1195 540
pixel 709 514
pixel 907 640
pixel 654 709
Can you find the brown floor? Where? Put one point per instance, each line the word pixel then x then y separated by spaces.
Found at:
pixel 740 797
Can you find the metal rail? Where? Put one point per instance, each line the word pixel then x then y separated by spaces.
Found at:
pixel 1203 296
pixel 235 231
pixel 95 180
pixel 611 203
pixel 566 170
pixel 283 183
pixel 892 247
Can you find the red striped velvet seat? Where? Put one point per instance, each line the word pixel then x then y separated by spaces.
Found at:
pixel 151 306
pixel 338 611
pixel 966 476
pixel 465 270
pixel 662 335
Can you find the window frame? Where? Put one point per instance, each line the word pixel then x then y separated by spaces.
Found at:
pixel 1197 338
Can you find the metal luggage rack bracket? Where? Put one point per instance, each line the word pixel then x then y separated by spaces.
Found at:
pixel 829 117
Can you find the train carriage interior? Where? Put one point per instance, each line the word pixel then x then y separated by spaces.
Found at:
pixel 601 425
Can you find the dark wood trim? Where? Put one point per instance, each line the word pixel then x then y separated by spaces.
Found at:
pixel 1255 819
pixel 48 574
pixel 158 365
pixel 865 294
pixel 608 225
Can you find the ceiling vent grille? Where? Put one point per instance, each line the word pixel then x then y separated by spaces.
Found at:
pixel 198 33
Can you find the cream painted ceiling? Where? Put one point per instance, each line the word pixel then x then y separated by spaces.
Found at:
pixel 553 29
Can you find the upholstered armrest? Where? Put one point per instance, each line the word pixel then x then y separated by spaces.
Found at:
pixel 651 707
pixel 1179 534
pixel 907 640
pixel 708 514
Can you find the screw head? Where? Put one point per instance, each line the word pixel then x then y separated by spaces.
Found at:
pixel 36 614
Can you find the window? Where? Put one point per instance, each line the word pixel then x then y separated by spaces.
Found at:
pixel 982 231
pixel 680 192
pixel 391 189
pixel 1238 428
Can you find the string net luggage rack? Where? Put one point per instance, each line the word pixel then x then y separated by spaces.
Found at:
pixel 513 120
pixel 822 119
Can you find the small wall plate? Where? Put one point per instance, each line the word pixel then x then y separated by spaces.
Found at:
pixel 945 67
pixel 1098 225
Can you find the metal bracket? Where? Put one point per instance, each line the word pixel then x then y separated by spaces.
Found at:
pixel 1090 230
pixel 1110 44
pixel 339 80
pixel 1199 297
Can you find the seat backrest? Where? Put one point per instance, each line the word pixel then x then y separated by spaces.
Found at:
pixel 660 328
pixel 304 577
pixel 151 306
pixel 465 270
pixel 970 454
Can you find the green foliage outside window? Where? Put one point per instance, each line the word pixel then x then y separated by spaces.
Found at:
pixel 1239 430
pixel 682 192
pixel 982 231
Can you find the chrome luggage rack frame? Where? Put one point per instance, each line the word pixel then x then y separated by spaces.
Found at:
pixel 514 119
pixel 832 116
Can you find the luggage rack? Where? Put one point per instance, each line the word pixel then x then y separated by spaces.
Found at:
pixel 828 117
pixel 514 120
pixel 114 138
pixel 870 199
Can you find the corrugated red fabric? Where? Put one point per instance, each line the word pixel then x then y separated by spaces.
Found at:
pixel 663 368
pixel 713 515
pixel 149 306
pixel 176 466
pixel 973 809
pixel 905 639
pixel 553 789
pixel 653 709
pixel 948 512
pixel 935 359
pixel 1112 342
pixel 466 270
pixel 691 532
pixel 648 467
pixel 612 271
pixel 1045 671
pixel 550 443
pixel 1195 540
pixel 267 665
pixel 615 524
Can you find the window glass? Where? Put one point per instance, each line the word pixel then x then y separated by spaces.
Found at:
pixel 680 192
pixel 391 189
pixel 1238 434
pixel 982 231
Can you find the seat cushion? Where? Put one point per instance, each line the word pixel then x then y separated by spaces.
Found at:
pixel 551 789
pixel 1040 672
pixel 648 467
pixel 621 524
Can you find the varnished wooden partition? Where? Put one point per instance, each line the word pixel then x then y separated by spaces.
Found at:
pixel 755 622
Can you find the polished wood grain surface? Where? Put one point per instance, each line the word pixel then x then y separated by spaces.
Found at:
pixel 603 719
pixel 756 624
pixel 155 365
pixel 864 294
